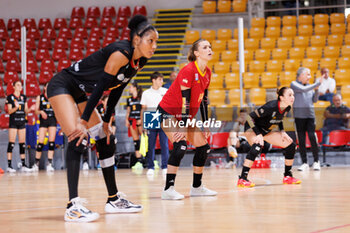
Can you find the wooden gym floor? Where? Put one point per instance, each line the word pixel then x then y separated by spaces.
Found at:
pixel 35 202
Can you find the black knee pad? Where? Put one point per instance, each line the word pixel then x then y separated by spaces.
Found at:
pixel 51 145
pixel 106 152
pixel 10 147
pixel 39 147
pixel 81 148
pixel 137 145
pixel 201 155
pixel 178 153
pixel 22 148
pixel 254 151
pixel 289 151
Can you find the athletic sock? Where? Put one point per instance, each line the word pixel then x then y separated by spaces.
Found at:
pixel 112 198
pixel 37 161
pixel 109 177
pixel 50 161
pixel 23 162
pixel 170 180
pixel 9 163
pixel 197 180
pixel 287 170
pixel 73 168
pixel 245 171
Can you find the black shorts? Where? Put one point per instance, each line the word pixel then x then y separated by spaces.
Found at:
pixel 49 122
pixel 63 83
pixel 164 115
pixel 17 124
pixel 263 131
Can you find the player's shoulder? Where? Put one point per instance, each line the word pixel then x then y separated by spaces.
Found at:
pixel 271 104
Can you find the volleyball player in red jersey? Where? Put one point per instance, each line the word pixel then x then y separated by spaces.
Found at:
pixel 186 95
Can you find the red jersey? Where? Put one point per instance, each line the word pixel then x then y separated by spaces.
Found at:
pixel 189 76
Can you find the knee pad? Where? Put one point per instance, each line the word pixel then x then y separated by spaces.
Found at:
pixel 51 145
pixel 178 153
pixel 201 155
pixel 39 147
pixel 137 145
pixel 106 152
pixel 79 149
pixel 96 132
pixel 289 151
pixel 22 148
pixel 10 147
pixel 254 151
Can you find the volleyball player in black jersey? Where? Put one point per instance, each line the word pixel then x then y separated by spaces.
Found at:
pixel 133 120
pixel 48 124
pixel 262 126
pixel 17 109
pixel 101 109
pixel 110 68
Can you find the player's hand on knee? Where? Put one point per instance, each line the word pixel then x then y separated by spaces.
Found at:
pixel 79 132
pixel 178 136
pixel 286 138
pixel 259 139
pixel 108 131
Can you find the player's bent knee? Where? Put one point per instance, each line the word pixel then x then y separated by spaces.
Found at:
pixel 178 153
pixel 201 155
pixel 254 151
pixel 77 149
pixel 10 147
pixel 106 151
pixel 289 151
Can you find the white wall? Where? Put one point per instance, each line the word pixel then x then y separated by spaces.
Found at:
pixel 62 8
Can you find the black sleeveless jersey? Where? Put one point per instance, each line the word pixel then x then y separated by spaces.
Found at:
pixel 135 107
pixel 19 114
pixel 267 117
pixel 46 106
pixel 89 70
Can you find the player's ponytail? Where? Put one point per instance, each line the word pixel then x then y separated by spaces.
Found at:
pixel 191 57
pixel 139 25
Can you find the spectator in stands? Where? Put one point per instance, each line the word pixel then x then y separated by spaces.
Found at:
pixel 48 124
pixel 17 109
pixel 237 142
pixel 133 120
pixel 327 87
pixel 110 68
pixel 305 95
pixel 337 117
pixel 172 78
pixel 149 101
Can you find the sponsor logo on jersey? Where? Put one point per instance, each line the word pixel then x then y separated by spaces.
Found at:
pixel 184 80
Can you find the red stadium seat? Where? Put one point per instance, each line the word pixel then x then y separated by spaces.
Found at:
pixel 90 51
pixel 140 10
pixel 2 92
pixel 9 91
pixel 109 11
pixel 16 33
pixel 121 22
pixel 96 32
pixel 31 118
pixel 93 12
pixel 29 23
pixel 77 42
pixel 44 23
pixel 58 54
pixel 125 34
pixel 12 43
pixel 33 33
pixel 32 89
pixel 93 43
pixel 108 40
pixel 2 24
pixel 2 69
pixel 44 43
pixel 10 77
pixel 47 65
pixel 3 34
pixel 78 12
pixel 49 33
pixel 45 76
pixel 76 54
pixel 65 33
pixel 13 65
pixel 106 22
pixel 30 44
pixel 112 32
pixel 42 54
pixel 124 11
pixel 75 23
pixel 90 22
pixel 60 23
pixel 1 45
pixel 13 23
pixel 81 33
pixel 61 43
pixel 4 121
pixel 32 65
pixel 62 63
pixel 8 54
pixel 29 54
pixel 219 140
pixel 31 76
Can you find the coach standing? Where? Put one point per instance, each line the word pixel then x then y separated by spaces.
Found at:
pixel 305 95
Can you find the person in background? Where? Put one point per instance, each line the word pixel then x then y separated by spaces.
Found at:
pixel 305 96
pixel 327 87
pixel 133 120
pixel 172 78
pixel 149 101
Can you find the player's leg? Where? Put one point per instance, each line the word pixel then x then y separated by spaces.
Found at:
pixel 39 147
pixel 50 153
pixel 22 148
pixel 10 146
pixel 136 138
pixel 301 128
